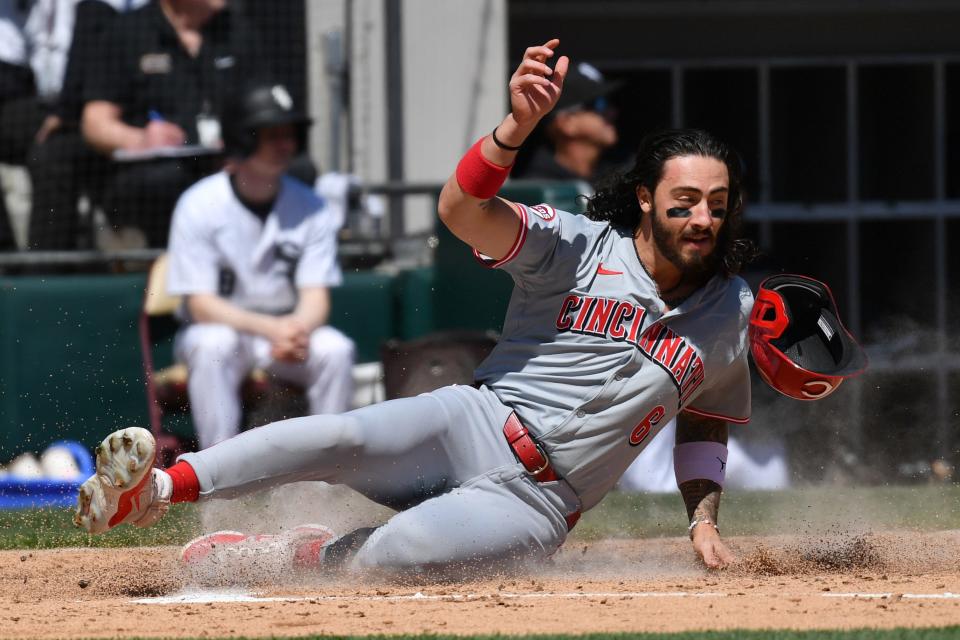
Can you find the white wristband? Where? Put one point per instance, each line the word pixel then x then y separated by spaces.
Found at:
pixel 701 460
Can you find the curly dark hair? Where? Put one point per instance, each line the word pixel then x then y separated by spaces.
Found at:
pixel 615 200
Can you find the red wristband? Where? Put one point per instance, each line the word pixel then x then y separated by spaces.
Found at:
pixel 186 487
pixel 478 176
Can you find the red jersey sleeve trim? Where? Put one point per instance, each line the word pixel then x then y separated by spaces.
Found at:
pixel 490 263
pixel 707 414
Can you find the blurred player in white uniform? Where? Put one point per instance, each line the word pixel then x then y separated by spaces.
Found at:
pixel 253 252
pixel 756 462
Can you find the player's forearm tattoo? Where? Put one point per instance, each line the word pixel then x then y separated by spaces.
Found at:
pixel 701 497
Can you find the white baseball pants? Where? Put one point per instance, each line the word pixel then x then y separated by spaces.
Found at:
pixel 219 357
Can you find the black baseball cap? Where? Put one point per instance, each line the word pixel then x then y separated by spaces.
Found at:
pixel 583 86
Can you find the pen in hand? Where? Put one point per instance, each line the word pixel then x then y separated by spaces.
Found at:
pixel 161 133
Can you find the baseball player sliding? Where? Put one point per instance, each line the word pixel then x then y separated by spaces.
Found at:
pixel 620 320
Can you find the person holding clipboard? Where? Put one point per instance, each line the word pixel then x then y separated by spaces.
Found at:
pixel 168 69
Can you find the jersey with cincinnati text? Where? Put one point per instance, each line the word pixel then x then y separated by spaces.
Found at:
pixel 591 360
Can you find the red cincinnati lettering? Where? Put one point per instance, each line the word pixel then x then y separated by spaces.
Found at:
pixel 695 366
pixel 649 339
pixel 639 314
pixel 680 369
pixel 570 303
pixel 600 315
pixel 695 376
pixel 584 313
pixel 669 345
pixel 623 312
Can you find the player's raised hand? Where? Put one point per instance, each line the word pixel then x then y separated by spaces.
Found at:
pixel 711 548
pixel 534 86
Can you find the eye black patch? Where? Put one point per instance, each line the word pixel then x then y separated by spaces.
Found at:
pixel 680 212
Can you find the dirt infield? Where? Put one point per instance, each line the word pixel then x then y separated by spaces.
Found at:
pixel 821 582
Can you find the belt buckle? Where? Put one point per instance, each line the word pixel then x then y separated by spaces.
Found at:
pixel 546 461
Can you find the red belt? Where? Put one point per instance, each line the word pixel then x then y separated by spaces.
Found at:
pixel 532 457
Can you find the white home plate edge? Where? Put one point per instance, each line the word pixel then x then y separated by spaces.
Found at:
pixel 204 597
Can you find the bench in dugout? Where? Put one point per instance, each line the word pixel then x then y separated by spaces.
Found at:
pixel 435 360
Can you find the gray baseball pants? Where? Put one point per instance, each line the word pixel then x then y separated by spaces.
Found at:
pixel 440 458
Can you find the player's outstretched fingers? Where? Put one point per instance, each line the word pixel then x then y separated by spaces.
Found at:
pixel 534 67
pixel 542 52
pixel 534 86
pixel 530 80
pixel 560 72
pixel 714 553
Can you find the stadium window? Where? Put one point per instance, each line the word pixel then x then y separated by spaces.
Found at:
pixel 953 287
pixel 953 409
pixel 751 230
pixel 829 430
pixel 900 409
pixel 897 269
pixel 812 248
pixel 808 134
pixel 952 74
pixel 724 102
pixel 895 110
pixel 643 104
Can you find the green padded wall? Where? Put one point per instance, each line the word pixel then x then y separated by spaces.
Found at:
pixel 415 302
pixel 363 308
pixel 69 360
pixel 471 296
pixel 561 194
pixel 70 363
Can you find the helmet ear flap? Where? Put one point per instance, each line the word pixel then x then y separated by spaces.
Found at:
pixel 769 316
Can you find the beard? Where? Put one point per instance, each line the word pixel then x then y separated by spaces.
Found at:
pixel 694 267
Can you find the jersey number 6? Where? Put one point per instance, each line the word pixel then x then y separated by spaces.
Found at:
pixel 642 430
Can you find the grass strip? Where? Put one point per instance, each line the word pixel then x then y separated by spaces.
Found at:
pixel 808 511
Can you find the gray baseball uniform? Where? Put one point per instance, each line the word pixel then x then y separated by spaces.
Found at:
pixel 590 360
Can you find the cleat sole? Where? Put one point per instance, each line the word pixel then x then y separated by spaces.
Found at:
pixel 124 459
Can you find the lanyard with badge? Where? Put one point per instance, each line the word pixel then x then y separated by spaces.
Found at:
pixel 208 127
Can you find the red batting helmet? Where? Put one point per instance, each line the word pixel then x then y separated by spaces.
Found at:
pixel 799 345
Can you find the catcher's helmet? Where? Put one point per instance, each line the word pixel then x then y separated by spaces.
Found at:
pixel 259 106
pixel 798 343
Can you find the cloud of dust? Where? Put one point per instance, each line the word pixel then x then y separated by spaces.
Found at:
pixel 282 508
pixel 274 513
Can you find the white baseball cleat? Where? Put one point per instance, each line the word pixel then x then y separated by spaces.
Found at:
pixel 231 554
pixel 124 488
